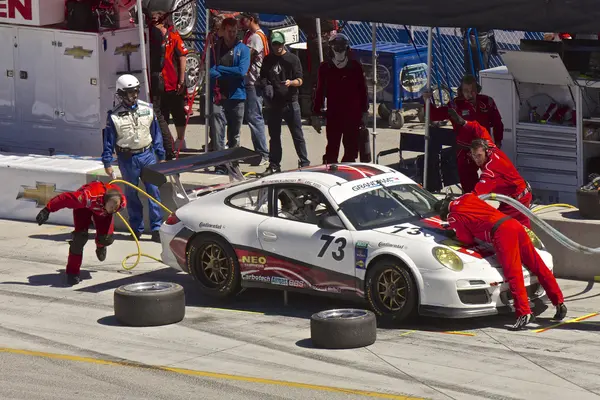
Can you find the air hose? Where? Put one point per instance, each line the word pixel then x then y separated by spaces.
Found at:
pixel 562 239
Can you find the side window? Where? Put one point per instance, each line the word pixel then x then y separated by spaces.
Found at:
pixel 302 204
pixel 255 200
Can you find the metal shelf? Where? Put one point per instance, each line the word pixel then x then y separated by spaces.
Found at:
pixel 592 141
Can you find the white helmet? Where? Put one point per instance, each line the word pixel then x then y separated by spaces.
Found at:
pixel 127 82
pixel 128 89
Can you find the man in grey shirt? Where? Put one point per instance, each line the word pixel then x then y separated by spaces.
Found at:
pixel 256 40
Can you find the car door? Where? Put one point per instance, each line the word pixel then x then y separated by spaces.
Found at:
pixel 320 258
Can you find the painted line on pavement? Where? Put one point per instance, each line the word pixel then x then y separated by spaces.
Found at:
pixel 205 374
pixel 578 319
pixel 459 333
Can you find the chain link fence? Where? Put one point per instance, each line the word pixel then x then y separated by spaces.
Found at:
pixel 448 55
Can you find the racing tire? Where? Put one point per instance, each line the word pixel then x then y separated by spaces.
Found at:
pixel 203 250
pixel 185 18
pixel 389 276
pixel 343 329
pixel 149 303
pixel 396 119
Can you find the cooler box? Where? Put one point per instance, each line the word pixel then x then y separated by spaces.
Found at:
pixel 401 71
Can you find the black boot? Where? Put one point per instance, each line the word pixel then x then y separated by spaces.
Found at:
pixel 522 322
pixel 156 237
pixel 138 235
pixel 73 279
pixel 101 253
pixel 561 312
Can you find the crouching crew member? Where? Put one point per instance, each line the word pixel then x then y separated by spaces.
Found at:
pixel 472 106
pixel 133 132
pixel 95 202
pixel 499 175
pixel 472 218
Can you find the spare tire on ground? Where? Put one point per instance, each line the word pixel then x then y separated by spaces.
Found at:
pixel 343 328
pixel 149 303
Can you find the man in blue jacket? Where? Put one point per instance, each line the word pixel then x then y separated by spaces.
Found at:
pixel 229 65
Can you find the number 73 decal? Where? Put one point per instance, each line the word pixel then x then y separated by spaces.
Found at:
pixel 411 231
pixel 341 243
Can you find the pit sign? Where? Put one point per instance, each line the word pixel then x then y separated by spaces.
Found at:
pixel 32 12
pixel 290 33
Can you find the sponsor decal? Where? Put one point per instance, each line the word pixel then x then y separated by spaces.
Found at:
pixel 250 261
pixel 361 252
pixel 127 49
pixel 296 284
pixel 40 194
pixel 374 184
pixel 330 289
pixel 386 244
pixel 16 9
pixel 207 225
pixel 276 280
pixel 257 278
pixel 78 52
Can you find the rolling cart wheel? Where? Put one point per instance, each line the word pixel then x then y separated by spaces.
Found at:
pixel 396 120
pixel 383 111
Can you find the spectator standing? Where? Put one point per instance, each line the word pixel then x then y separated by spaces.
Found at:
pixel 173 100
pixel 280 77
pixel 256 40
pixel 228 70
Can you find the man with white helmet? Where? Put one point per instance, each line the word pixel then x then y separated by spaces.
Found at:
pixel 342 82
pixel 132 132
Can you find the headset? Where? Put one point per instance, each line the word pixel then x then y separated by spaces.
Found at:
pixel 477 143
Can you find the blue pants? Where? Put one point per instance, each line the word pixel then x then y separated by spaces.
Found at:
pixel 131 169
pixel 254 117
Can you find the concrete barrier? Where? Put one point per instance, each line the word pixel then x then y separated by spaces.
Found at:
pixel 567 263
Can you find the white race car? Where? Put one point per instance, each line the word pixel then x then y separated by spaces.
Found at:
pixel 358 230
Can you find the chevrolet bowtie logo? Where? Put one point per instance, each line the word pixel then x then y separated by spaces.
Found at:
pixel 40 194
pixel 78 52
pixel 127 49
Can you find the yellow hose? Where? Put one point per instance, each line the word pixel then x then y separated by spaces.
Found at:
pixel 139 253
pixel 540 208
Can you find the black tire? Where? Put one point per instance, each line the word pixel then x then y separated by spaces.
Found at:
pixel 396 120
pixel 383 111
pixel 387 271
pixel 222 285
pixel 343 329
pixel 149 303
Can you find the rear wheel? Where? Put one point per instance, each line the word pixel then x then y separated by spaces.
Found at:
pixel 391 291
pixel 213 263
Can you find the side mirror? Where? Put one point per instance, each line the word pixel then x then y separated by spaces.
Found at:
pixel 331 222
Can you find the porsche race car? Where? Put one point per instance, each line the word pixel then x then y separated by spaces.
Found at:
pixel 354 230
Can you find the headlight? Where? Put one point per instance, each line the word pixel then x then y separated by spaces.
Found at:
pixel 537 243
pixel 448 258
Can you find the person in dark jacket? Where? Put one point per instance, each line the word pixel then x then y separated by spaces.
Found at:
pixel 342 82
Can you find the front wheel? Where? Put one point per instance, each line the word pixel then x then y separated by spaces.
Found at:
pixel 391 291
pixel 213 263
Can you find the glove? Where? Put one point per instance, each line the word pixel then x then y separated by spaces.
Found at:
pixel 43 216
pixel 315 121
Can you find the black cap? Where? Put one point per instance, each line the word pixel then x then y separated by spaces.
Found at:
pixel 249 15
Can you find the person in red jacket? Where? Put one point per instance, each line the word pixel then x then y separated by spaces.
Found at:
pixel 342 82
pixel 95 202
pixel 499 175
pixel 471 106
pixel 472 218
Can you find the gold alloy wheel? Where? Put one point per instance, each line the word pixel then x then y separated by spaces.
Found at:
pixel 391 289
pixel 213 262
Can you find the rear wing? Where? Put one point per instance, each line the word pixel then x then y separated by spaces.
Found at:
pixel 158 174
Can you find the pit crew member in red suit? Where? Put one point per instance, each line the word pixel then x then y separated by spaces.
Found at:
pixel 342 82
pixel 472 218
pixel 472 107
pixel 499 175
pixel 96 202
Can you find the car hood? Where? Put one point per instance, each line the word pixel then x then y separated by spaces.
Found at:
pixel 432 231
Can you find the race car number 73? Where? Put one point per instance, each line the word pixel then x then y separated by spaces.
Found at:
pixel 340 241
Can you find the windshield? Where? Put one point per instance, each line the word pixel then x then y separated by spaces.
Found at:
pixel 377 208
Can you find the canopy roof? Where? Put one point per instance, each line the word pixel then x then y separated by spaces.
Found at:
pixel 574 16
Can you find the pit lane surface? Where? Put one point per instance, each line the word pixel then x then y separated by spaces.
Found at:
pixel 62 342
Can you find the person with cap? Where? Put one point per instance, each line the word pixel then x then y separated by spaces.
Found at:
pixel 257 41
pixel 473 219
pixel 499 175
pixel 95 201
pixel 229 66
pixel 280 78
pixel 471 106
pixel 132 132
pixel 342 81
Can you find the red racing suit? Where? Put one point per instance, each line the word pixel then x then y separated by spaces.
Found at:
pixel 347 100
pixel 483 111
pixel 472 218
pixel 467 168
pixel 499 175
pixel 87 204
